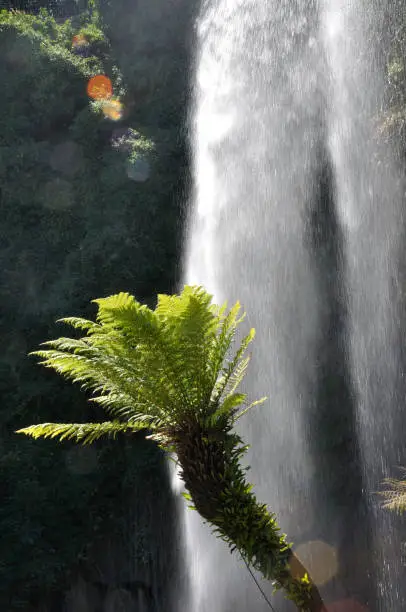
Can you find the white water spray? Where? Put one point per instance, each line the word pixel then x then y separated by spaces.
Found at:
pixel 369 200
pixel 256 131
pixel 276 82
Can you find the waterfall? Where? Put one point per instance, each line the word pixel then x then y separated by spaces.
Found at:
pixel 283 90
pixel 369 200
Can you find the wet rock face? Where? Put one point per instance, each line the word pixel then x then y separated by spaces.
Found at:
pixel 98 597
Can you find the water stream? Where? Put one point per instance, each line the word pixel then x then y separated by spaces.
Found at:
pixel 293 215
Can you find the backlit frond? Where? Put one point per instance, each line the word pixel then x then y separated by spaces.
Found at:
pixel 234 371
pixel 395 494
pixel 85 433
pixel 167 365
pixel 82 324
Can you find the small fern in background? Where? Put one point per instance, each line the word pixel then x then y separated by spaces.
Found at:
pixel 395 494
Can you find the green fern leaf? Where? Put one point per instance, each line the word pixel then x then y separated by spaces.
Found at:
pixel 158 367
pixel 241 413
pixel 85 433
pixel 395 495
pixel 227 407
pixel 233 373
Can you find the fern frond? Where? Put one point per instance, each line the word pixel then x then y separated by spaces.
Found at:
pixel 226 332
pixel 190 327
pixel 166 365
pixel 395 495
pixel 66 344
pixel 82 324
pixel 395 501
pixel 113 305
pixel 237 375
pixel 227 407
pixel 106 366
pixel 233 373
pixel 139 328
pixel 241 413
pixel 85 433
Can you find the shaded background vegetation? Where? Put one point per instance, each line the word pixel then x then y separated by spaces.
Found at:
pixel 79 221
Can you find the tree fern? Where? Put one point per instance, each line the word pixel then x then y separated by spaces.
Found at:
pixel 172 371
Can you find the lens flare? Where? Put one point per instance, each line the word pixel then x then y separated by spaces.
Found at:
pixel 138 170
pixel 100 87
pixel 113 109
pixel 57 195
pixel 81 460
pixel 346 605
pixel 79 41
pixel 320 559
pixel 66 158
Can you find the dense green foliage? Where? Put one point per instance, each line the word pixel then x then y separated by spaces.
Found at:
pixel 77 221
pixel 171 371
pixel 58 8
pixel 154 369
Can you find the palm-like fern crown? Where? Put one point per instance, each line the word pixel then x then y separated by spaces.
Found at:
pixel 154 369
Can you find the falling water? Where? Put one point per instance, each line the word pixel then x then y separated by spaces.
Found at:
pixel 281 87
pixel 257 130
pixel 369 200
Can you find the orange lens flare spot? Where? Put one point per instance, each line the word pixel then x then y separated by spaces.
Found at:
pixel 113 109
pixel 99 87
pixel 79 41
pixel 320 559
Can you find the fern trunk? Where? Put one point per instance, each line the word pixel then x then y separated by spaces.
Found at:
pixel 211 471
